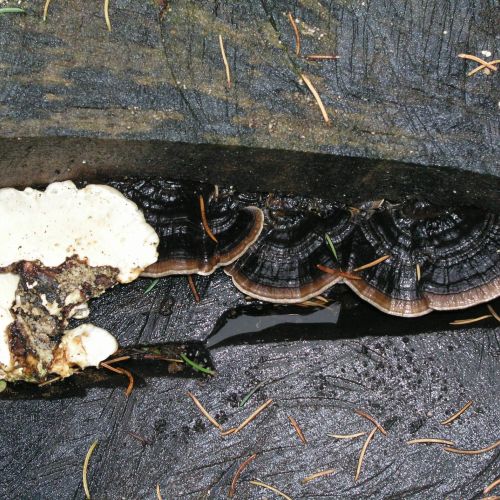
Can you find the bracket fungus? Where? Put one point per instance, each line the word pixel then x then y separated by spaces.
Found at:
pixel 281 266
pixel 440 259
pixel 198 231
pixel 62 247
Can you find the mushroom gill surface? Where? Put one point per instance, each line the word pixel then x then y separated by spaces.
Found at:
pixel 186 247
pixel 440 259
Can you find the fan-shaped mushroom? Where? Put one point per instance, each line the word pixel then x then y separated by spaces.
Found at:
pixel 198 232
pixel 439 258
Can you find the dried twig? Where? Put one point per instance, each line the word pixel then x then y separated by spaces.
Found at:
pixel 271 488
pixel 205 412
pixel 46 10
pixel 484 63
pixel 195 293
pixel 347 436
pixel 226 64
pixel 106 14
pixel 298 430
pixel 314 92
pixel 493 312
pixel 363 414
pixel 297 33
pixel 372 263
pixel 431 441
pixel 85 468
pixel 316 475
pixel 232 489
pixel 121 371
pixel 473 452
pixel 471 320
pixel 322 57
pixel 204 220
pixel 453 417
pixel 363 451
pixel 492 486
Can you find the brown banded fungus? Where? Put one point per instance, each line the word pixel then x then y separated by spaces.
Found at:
pixel 440 259
pixel 186 247
pixel 281 266
pixel 62 247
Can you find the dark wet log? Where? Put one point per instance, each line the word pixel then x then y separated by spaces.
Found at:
pixel 398 92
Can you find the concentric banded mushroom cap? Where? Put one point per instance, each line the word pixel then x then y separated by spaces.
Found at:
pixel 281 266
pixel 439 258
pixel 173 209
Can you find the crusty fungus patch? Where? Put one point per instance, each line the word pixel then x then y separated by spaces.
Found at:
pixel 62 247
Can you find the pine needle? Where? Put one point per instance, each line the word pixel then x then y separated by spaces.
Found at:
pixel 12 10
pixel 296 32
pixel 347 436
pixel 196 366
pixel 152 285
pixel 158 492
pixel 491 486
pixel 226 64
pixel 298 430
pixel 121 371
pixel 372 263
pixel 106 14
pixel 484 63
pixel 204 220
pixel 471 320
pixel 493 312
pixel 330 244
pixel 462 410
pixel 316 96
pixel 232 489
pixel 192 286
pixel 85 468
pixel 46 10
pixel 473 452
pixel 363 452
pixel 271 488
pixel 316 475
pixel 253 416
pixel 363 414
pixel 322 57
pixel 205 412
pixel 483 66
pixel 431 441
pixel 250 394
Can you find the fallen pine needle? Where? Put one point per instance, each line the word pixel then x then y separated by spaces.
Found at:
pixel 229 431
pixel 226 65
pixel 431 441
pixel 316 475
pixel 314 92
pixel 205 412
pixel 297 33
pixel 342 274
pixel 192 286
pixel 418 272
pixel 363 451
pixel 492 486
pixel 232 489
pixel 85 468
pixel 493 312
pixel 473 452
pixel 363 414
pixel 298 430
pixel 106 14
pixel 482 66
pixel 484 63
pixel 347 436
pixel 250 394
pixel 122 371
pixel 204 220
pixel 158 492
pixel 321 57
pixel 117 360
pixel 252 416
pixel 271 488
pixel 471 320
pixel 46 10
pixel 449 420
pixel 494 497
pixel 373 263
pixel 152 285
pixel 196 366
pixel 48 382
